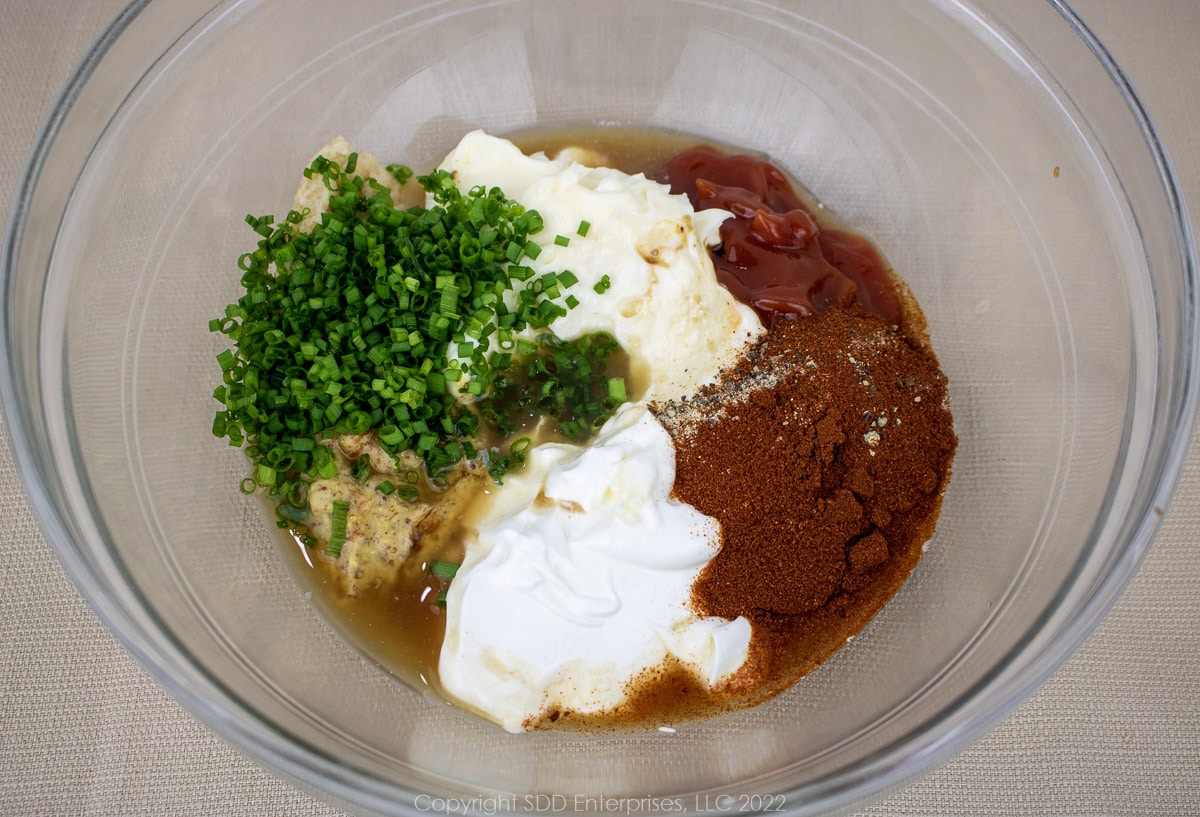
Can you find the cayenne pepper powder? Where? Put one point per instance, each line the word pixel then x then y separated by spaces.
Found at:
pixel 823 455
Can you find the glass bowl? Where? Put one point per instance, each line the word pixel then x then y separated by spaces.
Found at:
pixel 992 150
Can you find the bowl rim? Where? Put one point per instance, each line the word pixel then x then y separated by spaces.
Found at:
pixel 887 768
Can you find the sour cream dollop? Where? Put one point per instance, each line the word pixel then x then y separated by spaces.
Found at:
pixel 579 581
pixel 579 577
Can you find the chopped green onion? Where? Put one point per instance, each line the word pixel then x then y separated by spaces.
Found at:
pixel 443 570
pixel 584 226
pixel 561 240
pixel 291 513
pixel 337 530
pixel 401 173
pixel 602 285
pixel 566 382
pixel 360 469
pixel 361 322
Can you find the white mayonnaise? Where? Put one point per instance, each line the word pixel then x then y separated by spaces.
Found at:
pixel 664 304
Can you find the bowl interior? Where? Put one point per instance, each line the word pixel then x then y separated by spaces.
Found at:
pixel 1022 216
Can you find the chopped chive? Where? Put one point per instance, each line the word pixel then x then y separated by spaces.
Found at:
pixel 360 469
pixel 561 240
pixel 565 382
pixel 443 570
pixel 584 226
pixel 603 284
pixel 291 513
pixel 359 324
pixel 265 475
pixel 337 531
pixel 401 173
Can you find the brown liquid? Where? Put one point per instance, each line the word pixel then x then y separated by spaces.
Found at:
pixel 400 624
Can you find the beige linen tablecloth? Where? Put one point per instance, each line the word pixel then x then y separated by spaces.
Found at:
pixel 86 731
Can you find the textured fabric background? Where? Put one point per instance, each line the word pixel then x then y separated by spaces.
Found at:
pixel 86 732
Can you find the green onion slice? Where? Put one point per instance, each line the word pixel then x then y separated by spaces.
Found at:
pixel 337 533
pixel 443 570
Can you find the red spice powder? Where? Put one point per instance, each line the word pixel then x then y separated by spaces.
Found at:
pixel 823 455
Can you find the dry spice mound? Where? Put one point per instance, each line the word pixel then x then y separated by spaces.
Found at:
pixel 823 455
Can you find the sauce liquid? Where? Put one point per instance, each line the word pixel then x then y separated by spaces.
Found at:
pixel 399 624
pixel 774 256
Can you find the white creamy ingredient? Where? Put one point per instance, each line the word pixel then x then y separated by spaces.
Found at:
pixel 579 580
pixel 664 305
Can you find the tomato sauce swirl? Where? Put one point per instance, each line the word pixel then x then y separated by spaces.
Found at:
pixel 775 255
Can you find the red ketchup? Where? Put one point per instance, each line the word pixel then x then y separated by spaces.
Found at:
pixel 774 255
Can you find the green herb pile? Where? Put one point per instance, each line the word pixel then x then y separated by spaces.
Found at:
pixel 359 325
pixel 562 380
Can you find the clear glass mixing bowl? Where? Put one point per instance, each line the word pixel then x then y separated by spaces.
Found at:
pixel 992 149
